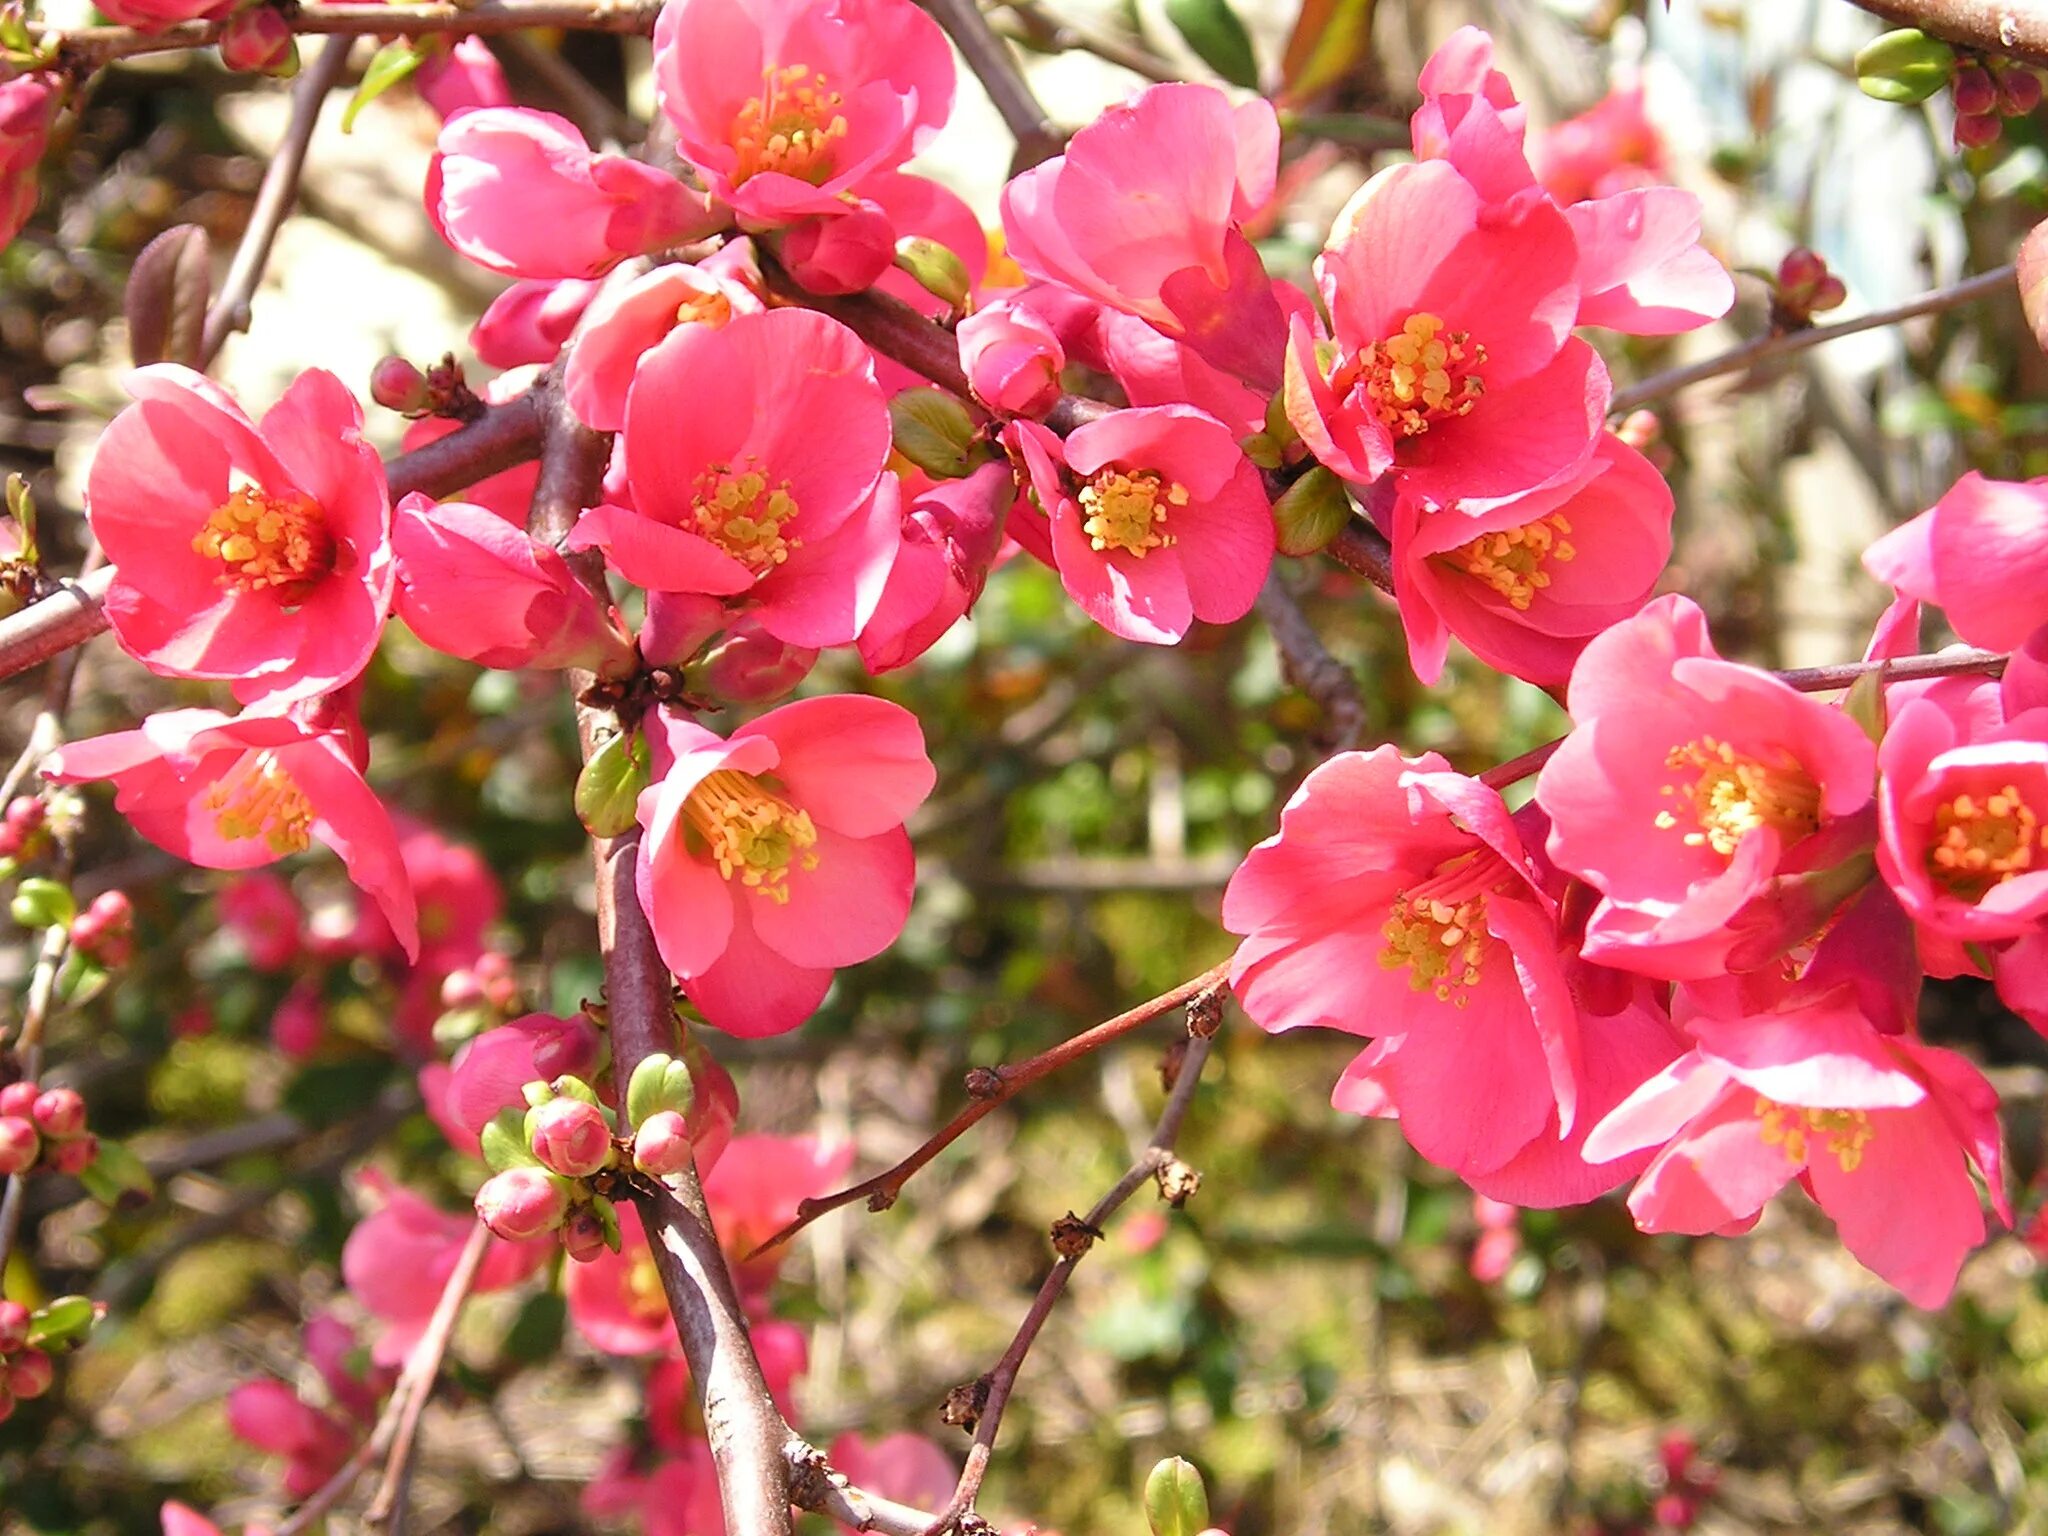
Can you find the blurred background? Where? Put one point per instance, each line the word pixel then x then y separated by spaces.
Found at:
pixel 1330 1329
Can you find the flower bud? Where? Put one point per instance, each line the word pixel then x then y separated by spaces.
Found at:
pixel 661 1146
pixel 841 253
pixel 1801 269
pixel 19 1144
pixel 398 386
pixel 1904 67
pixel 1012 358
pixel 1675 1512
pixel 583 1236
pixel 59 1113
pixel 1828 293
pixel 1976 132
pixel 259 41
pixel 25 813
pixel 569 1049
pixel 19 1098
pixel 521 1203
pixel 1976 93
pixel 105 931
pixel 571 1137
pixel 750 666
pixel 30 1373
pixel 14 1321
pixel 76 1155
pixel 2019 90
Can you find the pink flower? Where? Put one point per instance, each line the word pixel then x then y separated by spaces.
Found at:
pixel 1881 1130
pixel 626 321
pixel 1611 147
pixel 616 1300
pixel 156 15
pixel 1454 365
pixel 1470 118
pixel 952 536
pixel 1528 582
pixel 1397 900
pixel 28 103
pixel 492 1068
pixel 1143 213
pixel 398 1258
pixel 1012 358
pixel 260 910
pixel 1641 266
pixel 1686 785
pixel 906 1467
pixel 529 322
pixel 352 1381
pixel 474 586
pixel 237 793
pixel 754 452
pixel 519 192
pixel 842 252
pixel 258 555
pixel 1157 519
pixel 462 78
pixel 1981 553
pixel 269 1416
pixel 458 896
pixel 773 857
pixel 677 1496
pixel 299 1025
pixel 784 106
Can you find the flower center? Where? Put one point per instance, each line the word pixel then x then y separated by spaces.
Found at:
pixel 1844 1133
pixel 1980 842
pixel 790 128
pixel 1437 931
pixel 1127 509
pixel 1512 561
pixel 267 542
pixel 1419 376
pixel 712 309
pixel 751 833
pixel 1733 793
pixel 743 517
pixel 258 798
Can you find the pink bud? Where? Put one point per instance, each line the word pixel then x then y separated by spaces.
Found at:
pixel 19 1145
pixel 2019 90
pixel 1827 294
pixel 25 812
pixel 583 1236
pixel 1800 270
pixel 1012 358
pixel 842 253
pixel 1978 131
pixel 493 972
pixel 1675 1512
pixel 259 41
pixel 14 1321
pixel 76 1155
pixel 30 1373
pixel 18 1098
pixel 521 1203
pixel 59 1113
pixel 398 386
pixel 1976 93
pixel 461 989
pixel 661 1145
pixel 568 1049
pixel 571 1137
pixel 751 666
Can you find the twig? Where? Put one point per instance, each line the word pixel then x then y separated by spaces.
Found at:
pixel 52 625
pixel 1515 769
pixel 989 1087
pixel 2016 28
pixel 274 199
pixel 816 1486
pixel 1750 353
pixel 991 1394
pixel 1363 550
pixel 996 68
pixel 1064 36
pixel 1309 664
pixel 592 110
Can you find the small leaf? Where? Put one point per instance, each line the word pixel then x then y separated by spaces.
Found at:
pixel 608 788
pixel 1864 703
pixel 1212 30
pixel 2032 262
pixel 937 270
pixel 64 1323
pixel 388 66
pixel 169 288
pixel 40 903
pixel 607 1217
pixel 505 1143
pixel 1176 1503
pixel 1330 40
pixel 117 1178
pixel 933 430
pixel 1311 512
pixel 659 1083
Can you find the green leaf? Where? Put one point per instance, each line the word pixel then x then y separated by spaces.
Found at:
pixel 117 1178
pixel 505 1142
pixel 1864 703
pixel 63 1324
pixel 608 1217
pixel 388 66
pixel 936 269
pixel 608 788
pixel 659 1083
pixel 536 1333
pixel 933 430
pixel 1219 39
pixel 1311 512
pixel 1176 1503
pixel 1330 40
pixel 40 903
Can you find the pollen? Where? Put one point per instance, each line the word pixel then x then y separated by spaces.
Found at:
pixel 1513 561
pixel 1127 510
pixel 712 309
pixel 266 542
pixel 1730 794
pixel 259 798
pixel 792 128
pixel 1842 1133
pixel 1981 841
pixel 1419 376
pixel 1437 930
pixel 752 834
pixel 745 517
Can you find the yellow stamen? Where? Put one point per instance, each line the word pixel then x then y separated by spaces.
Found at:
pixel 1733 793
pixel 1843 1132
pixel 1981 841
pixel 1437 930
pixel 792 127
pixel 712 309
pixel 1512 561
pixel 1127 509
pixel 267 542
pixel 258 798
pixel 751 833
pixel 743 517
pixel 1417 377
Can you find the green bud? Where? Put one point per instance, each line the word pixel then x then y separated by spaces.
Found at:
pixel 505 1142
pixel 1176 1503
pixel 537 1093
pixel 1311 512
pixel 40 903
pixel 63 1324
pixel 566 1087
pixel 1865 704
pixel 933 430
pixel 608 788
pixel 1905 67
pixel 936 269
pixel 608 1217
pixel 659 1083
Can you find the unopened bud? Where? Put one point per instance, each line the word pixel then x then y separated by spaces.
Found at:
pixel 2019 90
pixel 1828 293
pixel 937 269
pixel 30 1373
pixel 840 253
pixel 19 1098
pixel 1012 358
pixel 14 1321
pixel 1675 1512
pixel 19 1144
pixel 1979 131
pixel 1801 269
pixel 1904 67
pixel 661 1146
pixel 1976 93
pixel 259 41
pixel 583 1236
pixel 571 1137
pixel 750 666
pixel 570 1049
pixel 398 386
pixel 59 1113
pixel 521 1203
pixel 76 1155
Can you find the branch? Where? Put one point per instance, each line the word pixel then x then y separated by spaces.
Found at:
pixel 2016 28
pixel 816 1486
pixel 989 1087
pixel 1309 664
pixel 1750 353
pixel 1363 550
pixel 741 1421
pixel 991 1394
pixel 1060 35
pixel 274 199
pixel 996 67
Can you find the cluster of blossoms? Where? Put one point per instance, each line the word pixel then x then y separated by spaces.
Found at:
pixel 44 1128
pixel 25 1371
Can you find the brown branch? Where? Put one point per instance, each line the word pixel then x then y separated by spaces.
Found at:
pixel 2018 29
pixel 100 45
pixel 816 1486
pixel 1363 550
pixel 1741 359
pixel 1060 35
pixel 274 200
pixel 989 1087
pixel 1309 664
pixel 991 1394
pixel 996 67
